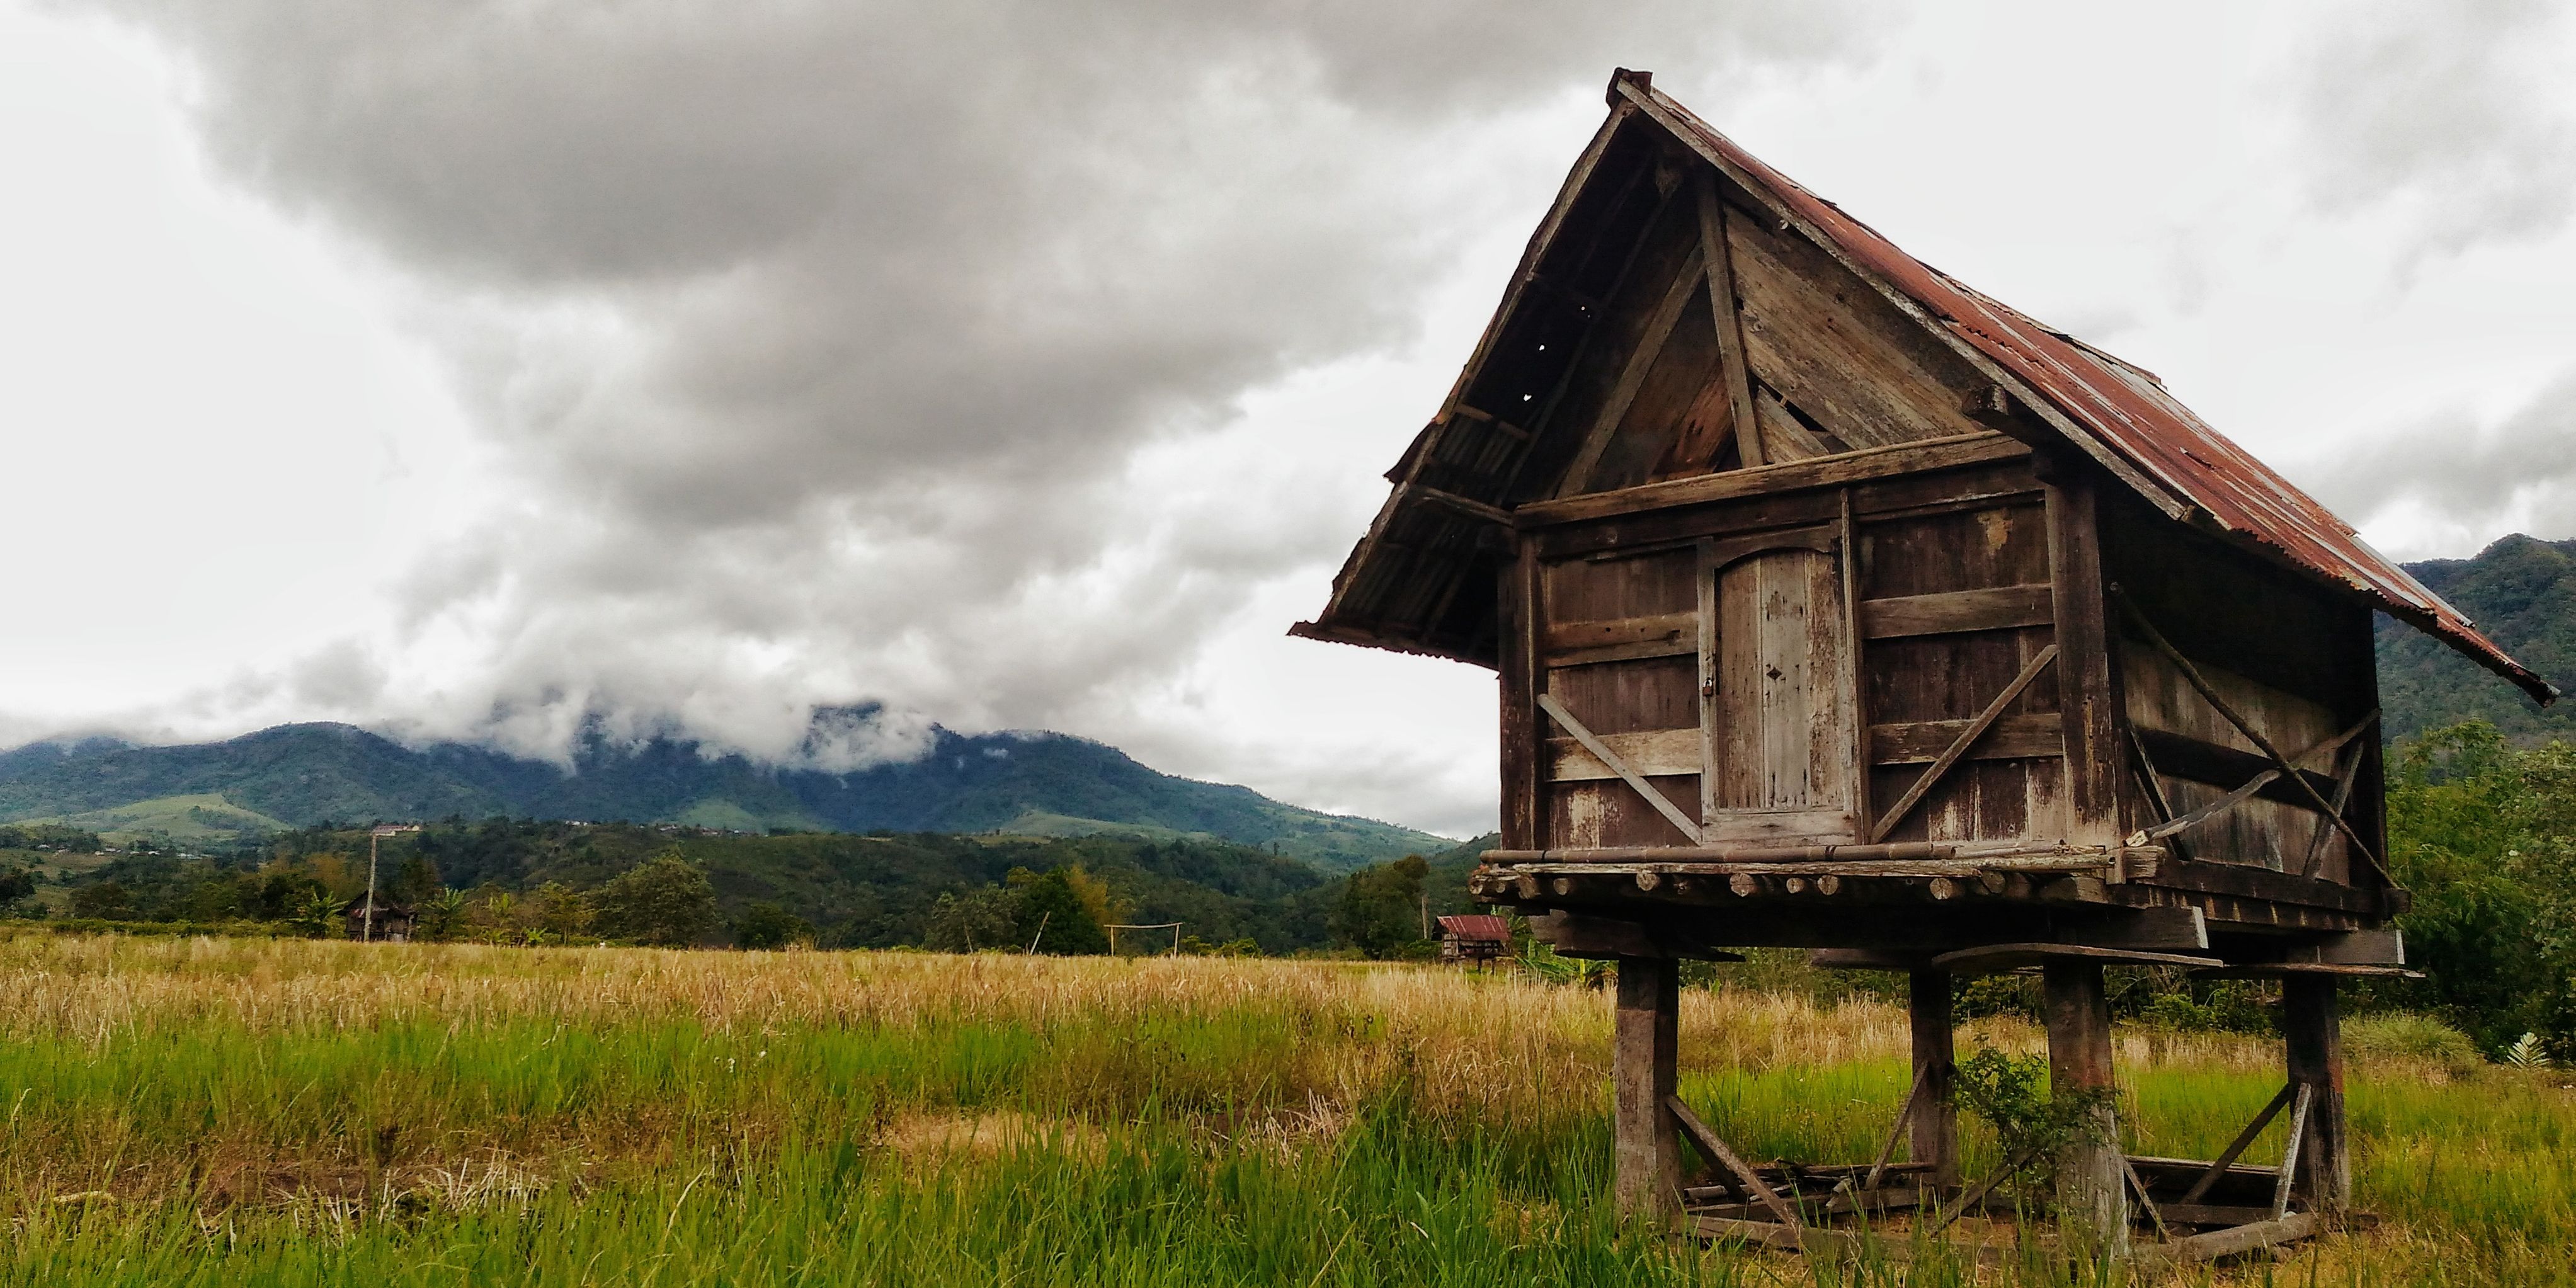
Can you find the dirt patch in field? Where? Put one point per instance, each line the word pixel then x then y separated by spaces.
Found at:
pixel 988 1133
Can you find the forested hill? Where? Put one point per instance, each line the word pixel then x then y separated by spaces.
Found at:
pixel 305 775
pixel 2521 591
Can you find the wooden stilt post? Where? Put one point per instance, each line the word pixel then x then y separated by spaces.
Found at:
pixel 2312 1031
pixel 1642 1051
pixel 2092 1197
pixel 1932 1132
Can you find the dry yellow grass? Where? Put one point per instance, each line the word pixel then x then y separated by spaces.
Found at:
pixel 246 1076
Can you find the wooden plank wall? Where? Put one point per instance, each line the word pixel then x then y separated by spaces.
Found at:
pixel 1620 651
pixel 1731 653
pixel 2291 659
pixel 1955 601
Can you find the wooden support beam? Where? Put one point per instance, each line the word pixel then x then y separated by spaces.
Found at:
pixel 1641 361
pixel 1967 737
pixel 1715 1149
pixel 1645 1041
pixel 2288 1172
pixel 2280 1099
pixel 2092 1194
pixel 1887 1152
pixel 1994 608
pixel 1901 459
pixel 1686 825
pixel 2211 764
pixel 2312 1032
pixel 2238 1240
pixel 2138 1190
pixel 1738 373
pixel 1988 959
pixel 2354 757
pixel 1519 675
pixel 2209 694
pixel 1749 852
pixel 2264 776
pixel 1915 742
pixel 1931 1117
pixel 2087 683
pixel 1464 507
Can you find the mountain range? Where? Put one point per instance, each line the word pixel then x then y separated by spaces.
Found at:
pixel 303 775
pixel 2520 590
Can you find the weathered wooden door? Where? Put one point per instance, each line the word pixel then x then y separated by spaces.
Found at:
pixel 1777 690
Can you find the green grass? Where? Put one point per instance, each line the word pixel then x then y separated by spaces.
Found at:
pixel 196 818
pixel 183 1112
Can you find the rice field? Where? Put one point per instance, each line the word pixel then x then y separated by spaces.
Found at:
pixel 227 1111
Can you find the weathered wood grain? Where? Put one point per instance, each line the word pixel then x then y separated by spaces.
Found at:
pixel 1654 753
pixel 1737 373
pixel 2011 738
pixel 1645 1044
pixel 1991 608
pixel 1904 458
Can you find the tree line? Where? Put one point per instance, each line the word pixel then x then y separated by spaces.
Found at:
pixel 2482 831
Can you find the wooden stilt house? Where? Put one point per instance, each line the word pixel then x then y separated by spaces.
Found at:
pixel 1836 605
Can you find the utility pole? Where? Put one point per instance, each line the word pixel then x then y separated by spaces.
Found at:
pixel 375 834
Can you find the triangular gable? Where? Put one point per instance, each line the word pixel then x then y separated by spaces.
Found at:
pixel 1613 361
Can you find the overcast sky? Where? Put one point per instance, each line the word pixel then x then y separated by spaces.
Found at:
pixel 478 369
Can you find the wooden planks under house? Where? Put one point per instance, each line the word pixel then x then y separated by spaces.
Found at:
pixel 1838 606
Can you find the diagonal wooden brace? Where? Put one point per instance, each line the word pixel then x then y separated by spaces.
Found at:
pixel 1958 747
pixel 1663 804
pixel 1715 1150
pixel 2255 784
pixel 2209 694
pixel 2289 1173
pixel 2237 1146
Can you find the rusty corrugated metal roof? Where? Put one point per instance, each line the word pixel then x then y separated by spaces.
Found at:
pixel 1490 929
pixel 2121 408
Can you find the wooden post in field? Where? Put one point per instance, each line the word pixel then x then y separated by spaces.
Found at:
pixel 1932 1124
pixel 2092 1197
pixel 2312 1032
pixel 1643 1047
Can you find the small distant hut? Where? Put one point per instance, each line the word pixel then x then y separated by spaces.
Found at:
pixel 1838 606
pixel 392 924
pixel 1475 938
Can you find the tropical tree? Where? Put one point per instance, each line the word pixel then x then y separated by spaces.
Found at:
pixel 665 900
pixel 766 926
pixel 1380 912
pixel 974 920
pixel 1053 916
pixel 442 914
pixel 315 913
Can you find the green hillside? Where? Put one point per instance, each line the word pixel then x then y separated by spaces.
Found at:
pixel 204 818
pixel 311 775
pixel 2522 593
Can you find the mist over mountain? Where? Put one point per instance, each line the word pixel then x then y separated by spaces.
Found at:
pixel 303 775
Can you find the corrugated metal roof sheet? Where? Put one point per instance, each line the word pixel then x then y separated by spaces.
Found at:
pixel 2120 407
pixel 1490 929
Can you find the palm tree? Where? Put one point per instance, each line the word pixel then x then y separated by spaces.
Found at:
pixel 441 913
pixel 315 913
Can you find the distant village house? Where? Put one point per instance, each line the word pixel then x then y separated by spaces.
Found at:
pixel 1474 938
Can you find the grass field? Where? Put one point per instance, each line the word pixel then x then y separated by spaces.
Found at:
pixel 215 1111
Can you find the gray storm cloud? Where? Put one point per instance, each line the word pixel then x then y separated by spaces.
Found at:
pixel 821 342
pixel 2520 469
pixel 2447 112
